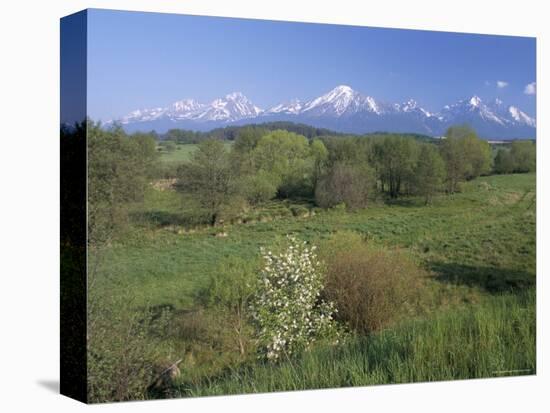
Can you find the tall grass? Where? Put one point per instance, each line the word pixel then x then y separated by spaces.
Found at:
pixel 493 339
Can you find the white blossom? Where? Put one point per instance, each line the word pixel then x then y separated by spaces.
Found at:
pixel 287 308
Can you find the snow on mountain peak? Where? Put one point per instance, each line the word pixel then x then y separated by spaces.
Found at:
pixel 475 101
pixel 409 105
pixel 236 96
pixel 344 89
pixel 343 108
pixel 292 107
pixel 232 107
pixel 186 105
pixel 373 105
pixel 342 99
pixel 338 93
pixel 521 117
pixel 336 100
pixel 143 114
pixel 514 112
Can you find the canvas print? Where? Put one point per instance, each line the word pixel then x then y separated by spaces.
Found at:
pixel 263 206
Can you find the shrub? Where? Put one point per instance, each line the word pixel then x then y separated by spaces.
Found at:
pixel 169 146
pixel 209 342
pixel 259 188
pixel 287 308
pixel 124 349
pixel 370 285
pixel 166 170
pixel 229 293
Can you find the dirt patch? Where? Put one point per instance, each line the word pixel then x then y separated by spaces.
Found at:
pixel 164 184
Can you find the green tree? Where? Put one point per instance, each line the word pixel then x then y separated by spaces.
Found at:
pixel 395 158
pixel 286 157
pixel 347 184
pixel 351 150
pixel 119 168
pixel 466 156
pixel 319 153
pixel 209 178
pixel 429 172
pixel 455 162
pixel 247 139
pixel 504 162
pixel 258 187
pixel 524 156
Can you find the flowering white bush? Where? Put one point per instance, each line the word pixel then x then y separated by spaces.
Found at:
pixel 287 307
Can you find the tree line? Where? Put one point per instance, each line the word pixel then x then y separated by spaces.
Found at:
pixel 218 182
pixel 332 170
pixel 231 133
pixel 520 157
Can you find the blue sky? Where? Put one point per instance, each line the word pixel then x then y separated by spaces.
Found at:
pixel 143 60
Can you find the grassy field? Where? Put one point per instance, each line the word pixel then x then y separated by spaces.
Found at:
pixel 492 339
pixel 482 239
pixel 476 320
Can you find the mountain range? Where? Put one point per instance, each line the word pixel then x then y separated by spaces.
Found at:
pixel 342 109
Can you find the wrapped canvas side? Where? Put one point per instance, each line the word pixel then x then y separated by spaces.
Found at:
pixel 73 206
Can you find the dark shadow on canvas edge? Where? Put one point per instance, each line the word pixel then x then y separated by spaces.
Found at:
pixel 48 384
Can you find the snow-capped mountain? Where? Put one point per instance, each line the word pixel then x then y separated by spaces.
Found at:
pixel 493 119
pixel 293 107
pixel 342 109
pixel 233 107
pixel 184 109
pixel 521 117
pixel 342 101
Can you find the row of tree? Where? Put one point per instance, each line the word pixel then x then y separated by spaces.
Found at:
pixel 332 170
pixel 259 167
pixel 397 165
pixel 520 157
pixel 231 133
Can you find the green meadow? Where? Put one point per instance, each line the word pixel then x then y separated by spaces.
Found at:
pixel 476 316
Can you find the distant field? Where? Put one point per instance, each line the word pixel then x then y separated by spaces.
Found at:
pixel 182 153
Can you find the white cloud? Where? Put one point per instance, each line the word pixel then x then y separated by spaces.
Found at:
pixel 501 84
pixel 530 89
